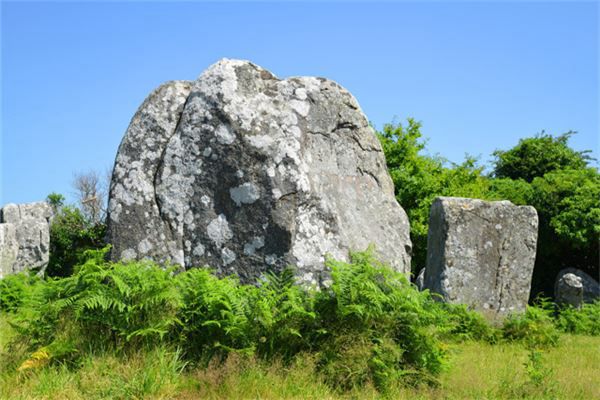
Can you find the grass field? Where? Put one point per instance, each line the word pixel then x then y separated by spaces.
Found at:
pixel 477 371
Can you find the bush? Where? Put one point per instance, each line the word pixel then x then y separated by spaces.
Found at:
pixel 584 321
pixel 70 236
pixel 535 326
pixel 379 327
pixel 102 307
pixel 16 289
pixel 461 324
pixel 371 325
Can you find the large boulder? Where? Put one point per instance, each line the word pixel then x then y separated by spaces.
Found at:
pixel 573 286
pixel 245 172
pixel 481 253
pixel 24 237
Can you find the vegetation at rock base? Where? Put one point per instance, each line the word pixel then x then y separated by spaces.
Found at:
pixel 542 171
pixel 145 331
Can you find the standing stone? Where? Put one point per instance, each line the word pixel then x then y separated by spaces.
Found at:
pixel 569 290
pixel 9 249
pixel 245 172
pixel 26 229
pixel 481 253
pixel 420 280
pixel 573 286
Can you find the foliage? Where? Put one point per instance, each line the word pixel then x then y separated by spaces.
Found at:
pixel 536 156
pixel 535 326
pixel 371 326
pixel 370 319
pixel 15 289
pixel 542 171
pixel 419 179
pixel 460 324
pixel 71 234
pixel 584 321
pixel 380 328
pixel 568 204
pixel 102 306
pixel 56 201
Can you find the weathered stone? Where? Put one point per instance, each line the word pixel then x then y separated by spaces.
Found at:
pixel 9 249
pixel 245 172
pixel 573 286
pixel 481 253
pixel 26 228
pixel 420 280
pixel 569 290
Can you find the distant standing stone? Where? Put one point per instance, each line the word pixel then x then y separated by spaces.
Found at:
pixel 481 253
pixel 573 286
pixel 420 281
pixel 245 172
pixel 569 290
pixel 9 248
pixel 24 237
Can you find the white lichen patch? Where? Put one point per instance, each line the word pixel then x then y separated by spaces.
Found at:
pixel 271 259
pixel 224 134
pixel 128 254
pixel 228 256
pixel 198 250
pixel 144 247
pixel 259 141
pixel 301 107
pixel 218 230
pixel 300 93
pixel 205 200
pixel 246 193
pixel 256 243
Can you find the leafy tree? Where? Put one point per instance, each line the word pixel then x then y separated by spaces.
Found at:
pixel 420 178
pixel 71 234
pixel 542 171
pixel 536 156
pixel 56 201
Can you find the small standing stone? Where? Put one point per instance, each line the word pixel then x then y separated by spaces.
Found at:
pixel 573 286
pixel 481 253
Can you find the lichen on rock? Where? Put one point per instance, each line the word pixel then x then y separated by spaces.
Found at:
pixel 246 172
pixel 481 253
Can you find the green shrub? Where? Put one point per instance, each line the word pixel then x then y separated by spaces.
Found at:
pixel 15 289
pixel 214 315
pixel 70 236
pixel 535 326
pixel 379 327
pixel 103 306
pixel 462 324
pixel 283 315
pixel 584 321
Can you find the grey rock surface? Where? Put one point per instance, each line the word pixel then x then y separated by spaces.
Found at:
pixel 573 286
pixel 26 228
pixel 9 249
pixel 569 290
pixel 481 254
pixel 245 172
pixel 420 280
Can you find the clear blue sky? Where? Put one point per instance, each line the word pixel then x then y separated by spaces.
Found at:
pixel 478 75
